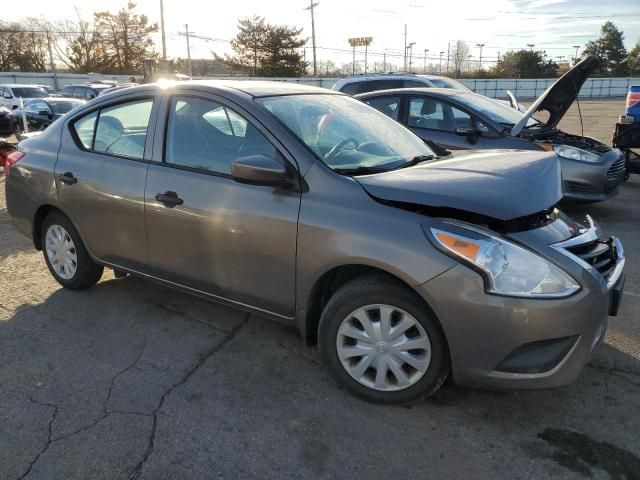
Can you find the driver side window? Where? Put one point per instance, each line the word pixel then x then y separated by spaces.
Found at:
pixel 206 135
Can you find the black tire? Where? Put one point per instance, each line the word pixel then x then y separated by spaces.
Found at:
pixel 87 271
pixel 17 128
pixel 382 289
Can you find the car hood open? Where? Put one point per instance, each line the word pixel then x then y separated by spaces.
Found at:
pixel 501 184
pixel 560 95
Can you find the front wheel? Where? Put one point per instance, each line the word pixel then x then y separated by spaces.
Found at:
pixel 65 254
pixel 381 341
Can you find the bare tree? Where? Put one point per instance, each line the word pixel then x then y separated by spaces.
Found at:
pixel 459 57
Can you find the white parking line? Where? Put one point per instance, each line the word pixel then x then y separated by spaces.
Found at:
pixel 633 294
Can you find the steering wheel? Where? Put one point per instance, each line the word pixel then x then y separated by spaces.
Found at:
pixel 339 147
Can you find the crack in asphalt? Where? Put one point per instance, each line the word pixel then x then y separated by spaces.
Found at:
pixel 136 471
pixel 614 369
pixel 49 434
pixel 105 413
pixel 184 314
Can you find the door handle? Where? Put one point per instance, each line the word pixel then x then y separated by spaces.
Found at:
pixel 67 178
pixel 169 199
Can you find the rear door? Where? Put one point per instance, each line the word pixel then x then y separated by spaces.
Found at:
pixel 205 230
pixel 100 177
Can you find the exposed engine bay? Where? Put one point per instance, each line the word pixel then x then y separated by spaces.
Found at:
pixel 560 138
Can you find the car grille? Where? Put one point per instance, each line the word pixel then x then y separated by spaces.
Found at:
pixel 582 188
pixel 598 254
pixel 616 169
pixel 594 253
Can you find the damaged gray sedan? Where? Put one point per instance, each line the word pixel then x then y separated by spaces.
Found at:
pixel 403 267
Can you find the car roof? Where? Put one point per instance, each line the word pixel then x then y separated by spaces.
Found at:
pixel 252 88
pixel 20 85
pixel 379 76
pixel 442 92
pixel 260 88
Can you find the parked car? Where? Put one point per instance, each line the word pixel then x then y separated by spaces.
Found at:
pixel 114 88
pixel 6 149
pixel 84 91
pixel 404 268
pixel 47 88
pixel 591 170
pixel 42 112
pixel 5 120
pixel 387 81
pixel 11 94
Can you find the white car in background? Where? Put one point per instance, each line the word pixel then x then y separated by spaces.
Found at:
pixel 10 94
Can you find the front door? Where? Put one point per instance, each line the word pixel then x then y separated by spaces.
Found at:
pixel 436 120
pixel 209 232
pixel 100 177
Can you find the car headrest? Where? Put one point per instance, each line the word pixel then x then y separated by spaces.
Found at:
pixel 428 107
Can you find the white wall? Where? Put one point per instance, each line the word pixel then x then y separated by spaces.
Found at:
pixel 494 88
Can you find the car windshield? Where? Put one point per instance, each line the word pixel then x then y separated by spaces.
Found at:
pixel 29 92
pixel 496 111
pixel 64 106
pixel 346 134
pixel 449 83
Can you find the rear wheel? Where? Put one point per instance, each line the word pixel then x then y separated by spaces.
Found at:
pixel 381 341
pixel 17 128
pixel 65 254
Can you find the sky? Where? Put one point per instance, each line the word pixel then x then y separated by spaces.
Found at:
pixel 553 26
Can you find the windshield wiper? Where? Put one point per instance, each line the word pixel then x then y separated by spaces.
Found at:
pixel 360 170
pixel 416 160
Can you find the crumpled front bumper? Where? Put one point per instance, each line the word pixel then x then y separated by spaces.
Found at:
pixel 521 342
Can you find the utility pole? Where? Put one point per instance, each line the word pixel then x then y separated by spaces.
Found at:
pixel 353 62
pixel 52 65
pixel 480 62
pixel 448 52
pixel 384 61
pixel 498 55
pixel 164 40
pixel 311 6
pixel 531 45
pixel 186 32
pixel 424 67
pixel 575 59
pixel 405 47
pixel 441 53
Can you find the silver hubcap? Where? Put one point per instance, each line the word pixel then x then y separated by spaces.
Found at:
pixel 383 347
pixel 61 252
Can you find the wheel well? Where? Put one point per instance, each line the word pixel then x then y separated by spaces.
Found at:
pixel 327 285
pixel 41 214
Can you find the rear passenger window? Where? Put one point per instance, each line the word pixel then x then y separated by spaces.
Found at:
pixel 353 88
pixel 208 136
pixel 122 130
pixel 85 128
pixel 387 105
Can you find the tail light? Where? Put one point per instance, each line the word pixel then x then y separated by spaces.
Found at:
pixel 632 99
pixel 12 159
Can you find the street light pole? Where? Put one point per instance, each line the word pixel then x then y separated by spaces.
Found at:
pixel 405 47
pixel 164 40
pixel 311 6
pixel 575 59
pixel 186 32
pixel 531 45
pixel 424 67
pixel 441 53
pixel 410 47
pixel 480 61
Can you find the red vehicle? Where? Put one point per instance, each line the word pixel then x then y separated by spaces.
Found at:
pixel 5 150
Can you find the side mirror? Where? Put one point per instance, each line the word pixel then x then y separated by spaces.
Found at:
pixel 260 170
pixel 43 112
pixel 15 107
pixel 470 133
